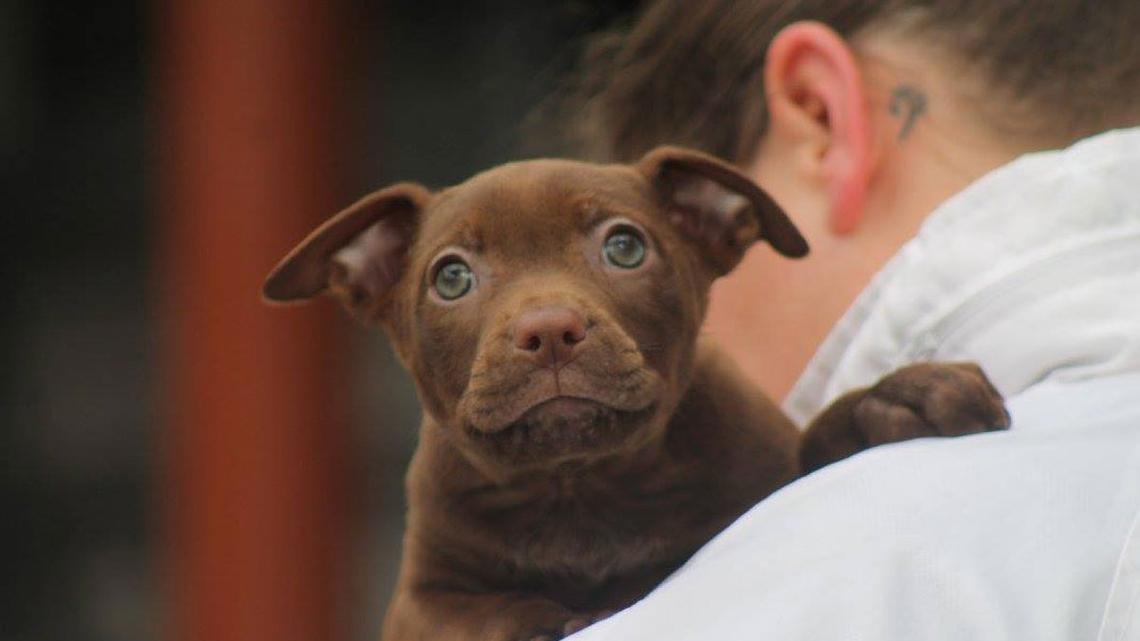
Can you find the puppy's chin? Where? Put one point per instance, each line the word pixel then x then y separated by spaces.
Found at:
pixel 561 429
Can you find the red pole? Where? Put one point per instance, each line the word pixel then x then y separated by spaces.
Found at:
pixel 255 436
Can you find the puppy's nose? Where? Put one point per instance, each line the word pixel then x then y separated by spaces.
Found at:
pixel 549 335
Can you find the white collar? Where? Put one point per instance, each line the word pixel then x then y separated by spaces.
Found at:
pixel 1032 271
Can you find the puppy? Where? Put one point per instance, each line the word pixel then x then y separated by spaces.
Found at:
pixel 579 442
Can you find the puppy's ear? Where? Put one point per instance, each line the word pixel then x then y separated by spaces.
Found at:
pixel 357 255
pixel 717 206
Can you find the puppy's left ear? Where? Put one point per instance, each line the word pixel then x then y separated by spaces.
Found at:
pixel 717 206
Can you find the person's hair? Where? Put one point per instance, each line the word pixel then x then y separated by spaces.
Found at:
pixel 690 72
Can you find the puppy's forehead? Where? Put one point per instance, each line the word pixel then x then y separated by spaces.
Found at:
pixel 537 201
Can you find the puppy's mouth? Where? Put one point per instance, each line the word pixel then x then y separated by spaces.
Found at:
pixel 562 427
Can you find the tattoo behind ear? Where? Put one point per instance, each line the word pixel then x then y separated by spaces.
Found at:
pixel 908 102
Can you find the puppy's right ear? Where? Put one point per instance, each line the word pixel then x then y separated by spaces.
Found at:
pixel 357 255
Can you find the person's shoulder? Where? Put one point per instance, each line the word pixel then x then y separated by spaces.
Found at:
pixel 935 538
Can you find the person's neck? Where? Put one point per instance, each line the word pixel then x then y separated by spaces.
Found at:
pixel 1025 271
pixel 939 160
pixel 929 155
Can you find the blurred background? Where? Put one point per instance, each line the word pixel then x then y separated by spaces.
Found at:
pixel 181 462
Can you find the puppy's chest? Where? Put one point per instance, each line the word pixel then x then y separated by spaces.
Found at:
pixel 588 532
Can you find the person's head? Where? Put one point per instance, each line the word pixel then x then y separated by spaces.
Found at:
pixel 859 117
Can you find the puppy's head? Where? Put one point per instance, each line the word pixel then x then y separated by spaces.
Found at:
pixel 547 310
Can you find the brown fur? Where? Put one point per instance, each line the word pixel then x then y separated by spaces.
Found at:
pixel 579 441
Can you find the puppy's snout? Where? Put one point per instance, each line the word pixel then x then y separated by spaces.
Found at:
pixel 549 335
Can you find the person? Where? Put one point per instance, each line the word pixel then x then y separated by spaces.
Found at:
pixel 968 176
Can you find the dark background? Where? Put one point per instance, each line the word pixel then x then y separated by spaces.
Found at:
pixel 440 90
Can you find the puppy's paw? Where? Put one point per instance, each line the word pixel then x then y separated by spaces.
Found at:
pixel 930 399
pixel 573 625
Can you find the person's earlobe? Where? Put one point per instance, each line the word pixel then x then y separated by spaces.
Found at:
pixel 815 93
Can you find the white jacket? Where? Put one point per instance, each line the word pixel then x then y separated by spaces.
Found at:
pixel 1034 272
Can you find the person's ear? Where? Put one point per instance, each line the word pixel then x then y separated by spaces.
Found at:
pixel 358 255
pixel 817 102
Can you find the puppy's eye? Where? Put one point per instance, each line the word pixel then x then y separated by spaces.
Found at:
pixel 624 248
pixel 453 279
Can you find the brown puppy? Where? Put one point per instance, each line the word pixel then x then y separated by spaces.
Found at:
pixel 579 442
